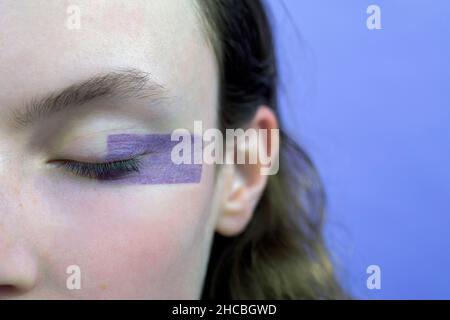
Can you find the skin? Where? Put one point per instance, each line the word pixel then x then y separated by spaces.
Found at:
pixel 130 241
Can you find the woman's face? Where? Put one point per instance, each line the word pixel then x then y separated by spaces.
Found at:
pixel 132 67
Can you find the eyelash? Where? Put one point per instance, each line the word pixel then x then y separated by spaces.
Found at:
pixel 102 171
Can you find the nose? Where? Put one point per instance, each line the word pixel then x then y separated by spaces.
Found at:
pixel 17 271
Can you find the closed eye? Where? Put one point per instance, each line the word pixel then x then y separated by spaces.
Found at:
pixel 101 171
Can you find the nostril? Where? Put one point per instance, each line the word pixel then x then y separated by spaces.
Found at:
pixel 8 290
pixel 17 271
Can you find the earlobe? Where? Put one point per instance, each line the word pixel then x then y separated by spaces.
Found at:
pixel 235 212
pixel 244 183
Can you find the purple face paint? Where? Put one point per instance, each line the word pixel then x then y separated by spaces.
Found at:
pixel 155 163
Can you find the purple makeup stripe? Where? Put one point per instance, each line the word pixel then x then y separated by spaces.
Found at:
pixel 156 165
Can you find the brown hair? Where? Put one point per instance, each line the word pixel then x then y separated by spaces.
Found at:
pixel 281 254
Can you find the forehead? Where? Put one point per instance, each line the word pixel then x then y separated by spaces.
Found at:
pixel 40 51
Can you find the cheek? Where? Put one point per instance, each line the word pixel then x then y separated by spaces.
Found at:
pixel 129 241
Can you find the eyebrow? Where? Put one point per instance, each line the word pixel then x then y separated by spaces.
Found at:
pixel 123 83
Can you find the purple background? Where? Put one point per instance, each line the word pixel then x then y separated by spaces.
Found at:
pixel 373 110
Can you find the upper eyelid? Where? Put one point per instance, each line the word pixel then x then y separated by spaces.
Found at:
pixel 88 153
pixel 82 137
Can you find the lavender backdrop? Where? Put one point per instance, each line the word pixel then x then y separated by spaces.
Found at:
pixel 373 109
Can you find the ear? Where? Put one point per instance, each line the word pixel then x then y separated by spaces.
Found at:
pixel 244 183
